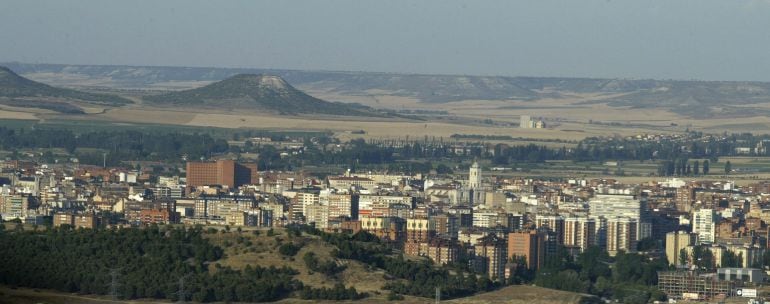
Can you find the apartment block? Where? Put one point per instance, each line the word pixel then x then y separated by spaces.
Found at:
pixel 528 244
pixel 221 172
pixel 675 242
pixel 579 232
pixel 621 235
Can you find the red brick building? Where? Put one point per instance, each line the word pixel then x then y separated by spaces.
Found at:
pixel 221 172
pixel 158 216
pixel 441 251
pixel 527 244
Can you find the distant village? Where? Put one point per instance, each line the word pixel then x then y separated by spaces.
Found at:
pixel 715 233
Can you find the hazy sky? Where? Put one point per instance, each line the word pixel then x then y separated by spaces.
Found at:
pixel 693 39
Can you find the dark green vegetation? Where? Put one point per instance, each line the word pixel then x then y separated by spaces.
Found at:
pixel 507 137
pixel 289 249
pixel 328 268
pixel 148 264
pixel 627 277
pixel 258 92
pixel 151 263
pixel 60 107
pixel 143 263
pixel 674 154
pixel 21 92
pixel 119 145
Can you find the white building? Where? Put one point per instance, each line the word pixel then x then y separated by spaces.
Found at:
pixel 476 191
pixel 613 206
pixel 485 218
pixel 526 122
pixel 704 222
pixel 474 176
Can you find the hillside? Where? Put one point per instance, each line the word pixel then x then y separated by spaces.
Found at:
pixel 520 294
pixel 269 256
pixel 246 248
pixel 701 99
pixel 257 92
pixel 428 88
pixel 696 99
pixel 18 91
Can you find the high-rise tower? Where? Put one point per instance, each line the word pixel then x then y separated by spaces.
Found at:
pixel 474 177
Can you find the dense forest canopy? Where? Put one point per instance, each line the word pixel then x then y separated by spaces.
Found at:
pixel 143 263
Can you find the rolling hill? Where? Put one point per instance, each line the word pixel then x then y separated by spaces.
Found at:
pixel 261 93
pixel 18 91
pixel 697 99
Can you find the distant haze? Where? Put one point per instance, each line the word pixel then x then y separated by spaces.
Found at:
pixel 662 39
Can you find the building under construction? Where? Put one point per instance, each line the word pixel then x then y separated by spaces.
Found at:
pixel 690 284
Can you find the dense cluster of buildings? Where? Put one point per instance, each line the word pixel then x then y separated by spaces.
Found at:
pixel 486 221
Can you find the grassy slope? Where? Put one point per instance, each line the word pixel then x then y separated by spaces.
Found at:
pixel 15 86
pixel 357 274
pixel 265 253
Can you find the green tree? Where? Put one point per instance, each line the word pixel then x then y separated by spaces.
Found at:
pixel 289 249
pixel 703 258
pixel 730 259
pixel 728 167
pixel 646 244
pixel 568 280
pixel 705 167
pixel 696 168
pixel 683 257
pixel 443 169
pixel 593 263
pixel 521 274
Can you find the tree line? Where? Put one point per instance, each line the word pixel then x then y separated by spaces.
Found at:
pixel 626 277
pixel 119 145
pixel 125 145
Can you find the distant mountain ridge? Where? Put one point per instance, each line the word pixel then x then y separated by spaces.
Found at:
pixel 14 86
pixel 257 92
pixel 17 91
pixel 685 97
